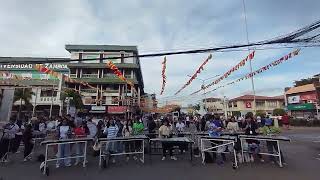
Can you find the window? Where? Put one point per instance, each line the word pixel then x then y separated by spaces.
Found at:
pixel 235 104
pixel 91 56
pixel 112 54
pixel 74 55
pixel 48 93
pixel 272 103
pixel 127 74
pixel 128 60
pixel 260 103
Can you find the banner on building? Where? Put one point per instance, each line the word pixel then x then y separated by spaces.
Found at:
pixel 308 97
pixel 117 109
pixel 293 99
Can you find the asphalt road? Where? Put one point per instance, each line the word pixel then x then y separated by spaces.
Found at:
pixel 300 154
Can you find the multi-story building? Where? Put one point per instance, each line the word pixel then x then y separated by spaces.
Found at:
pixel 245 103
pixel 214 105
pixel 302 101
pixel 149 101
pixel 45 87
pixel 110 95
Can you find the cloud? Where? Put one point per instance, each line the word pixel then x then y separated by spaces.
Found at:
pixel 42 28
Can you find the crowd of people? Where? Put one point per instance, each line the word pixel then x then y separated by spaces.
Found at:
pixel 81 126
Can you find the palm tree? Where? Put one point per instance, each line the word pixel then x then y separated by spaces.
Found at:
pixel 76 98
pixel 22 95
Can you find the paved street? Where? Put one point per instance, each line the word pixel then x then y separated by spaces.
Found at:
pixel 300 154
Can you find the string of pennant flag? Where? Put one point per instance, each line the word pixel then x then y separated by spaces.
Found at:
pixel 195 74
pixel 230 71
pixel 261 70
pixel 163 73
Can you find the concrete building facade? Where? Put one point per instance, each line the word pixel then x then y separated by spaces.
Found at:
pixel 245 104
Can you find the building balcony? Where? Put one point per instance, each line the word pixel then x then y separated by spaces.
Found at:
pixel 110 92
pixel 89 76
pixel 106 80
pixel 48 99
pixel 102 65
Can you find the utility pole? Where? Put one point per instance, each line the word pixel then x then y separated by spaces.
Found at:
pixel 51 101
pixel 35 102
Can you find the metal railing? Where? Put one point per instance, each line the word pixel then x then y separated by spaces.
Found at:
pixel 89 76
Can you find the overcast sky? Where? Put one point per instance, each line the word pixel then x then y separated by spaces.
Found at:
pixel 41 28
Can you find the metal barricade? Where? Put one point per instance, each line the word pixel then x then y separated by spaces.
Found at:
pixel 49 143
pixel 214 147
pixel 276 139
pixel 104 143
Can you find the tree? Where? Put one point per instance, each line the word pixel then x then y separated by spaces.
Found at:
pixel 302 82
pixel 279 112
pixel 196 107
pixel 25 95
pixel 76 98
pixel 236 113
pixel 261 113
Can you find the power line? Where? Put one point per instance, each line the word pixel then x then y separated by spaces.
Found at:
pixel 285 39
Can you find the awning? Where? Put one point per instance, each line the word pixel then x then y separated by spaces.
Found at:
pixel 297 107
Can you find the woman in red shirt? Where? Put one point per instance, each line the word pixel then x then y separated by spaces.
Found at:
pixel 80 132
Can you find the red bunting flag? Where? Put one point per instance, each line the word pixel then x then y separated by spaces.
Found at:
pixel 227 74
pixel 262 69
pixel 195 74
pixel 163 73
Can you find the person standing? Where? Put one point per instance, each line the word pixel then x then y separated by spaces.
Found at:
pixel 214 130
pixel 233 125
pixel 64 132
pixel 18 136
pixel 28 143
pixel 285 121
pixel 138 129
pixel 7 139
pixel 165 132
pixel 81 131
pixel 127 132
pixel 92 128
pixel 151 127
pixel 250 128
pixel 111 133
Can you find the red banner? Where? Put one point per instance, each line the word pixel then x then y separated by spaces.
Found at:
pixel 308 96
pixel 117 109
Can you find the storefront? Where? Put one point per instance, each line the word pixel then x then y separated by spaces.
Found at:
pixel 302 110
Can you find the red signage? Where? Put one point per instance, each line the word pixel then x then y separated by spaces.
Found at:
pixel 308 96
pixel 117 109
pixel 248 104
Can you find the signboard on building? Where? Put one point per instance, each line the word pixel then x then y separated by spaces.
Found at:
pixel 309 96
pixel 98 108
pixel 32 66
pixel 117 109
pixel 293 99
pixel 301 107
pixel 248 104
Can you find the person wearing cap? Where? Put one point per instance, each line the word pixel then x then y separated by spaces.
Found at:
pixel 270 130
